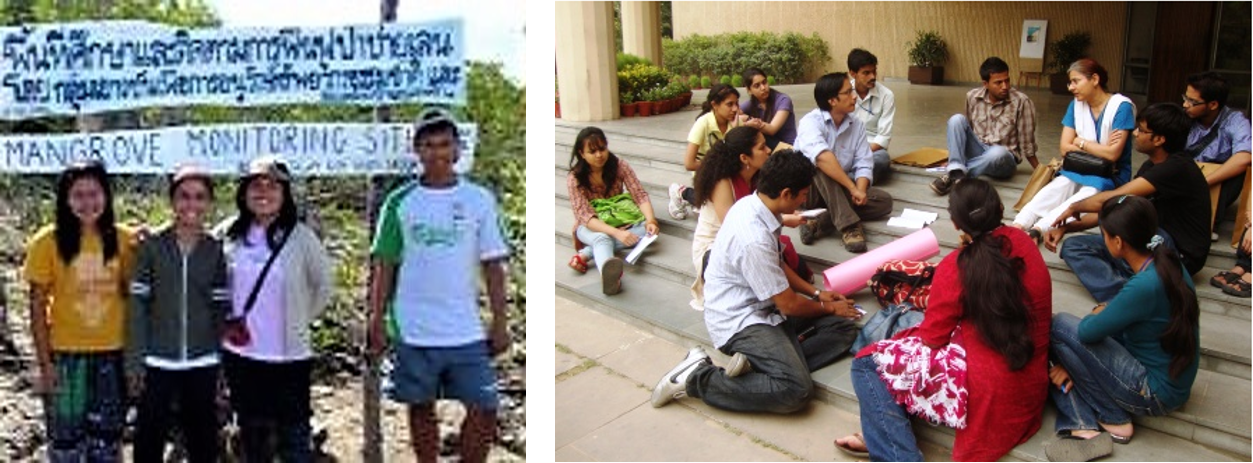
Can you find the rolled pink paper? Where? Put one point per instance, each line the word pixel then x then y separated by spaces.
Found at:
pixel 851 276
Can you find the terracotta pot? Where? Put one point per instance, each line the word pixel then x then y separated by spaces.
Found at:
pixel 658 107
pixel 558 110
pixel 645 108
pixel 628 109
pixel 687 98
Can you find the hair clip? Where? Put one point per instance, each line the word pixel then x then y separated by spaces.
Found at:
pixel 1155 242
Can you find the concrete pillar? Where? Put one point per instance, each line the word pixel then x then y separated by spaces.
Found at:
pixel 641 30
pixel 587 69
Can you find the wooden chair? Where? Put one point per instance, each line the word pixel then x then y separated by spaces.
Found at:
pixel 1026 76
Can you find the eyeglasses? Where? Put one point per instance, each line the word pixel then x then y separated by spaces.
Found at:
pixel 1140 131
pixel 1190 102
pixel 846 92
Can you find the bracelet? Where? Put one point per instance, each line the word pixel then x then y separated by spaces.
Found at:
pixel 1081 142
pixel 816 293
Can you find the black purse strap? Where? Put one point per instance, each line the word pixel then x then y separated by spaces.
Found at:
pixel 1204 142
pixel 256 287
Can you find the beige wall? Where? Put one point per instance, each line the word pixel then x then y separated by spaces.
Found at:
pixel 972 30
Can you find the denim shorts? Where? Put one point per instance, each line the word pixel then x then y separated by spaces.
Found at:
pixel 423 374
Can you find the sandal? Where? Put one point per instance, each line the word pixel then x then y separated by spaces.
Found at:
pixel 849 451
pixel 1071 448
pixel 1223 279
pixel 578 263
pixel 1239 288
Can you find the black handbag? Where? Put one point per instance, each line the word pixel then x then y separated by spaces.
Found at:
pixel 1083 163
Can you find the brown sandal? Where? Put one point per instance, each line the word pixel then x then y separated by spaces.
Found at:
pixel 850 451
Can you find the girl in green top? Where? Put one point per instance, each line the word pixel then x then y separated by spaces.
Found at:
pixel 1135 356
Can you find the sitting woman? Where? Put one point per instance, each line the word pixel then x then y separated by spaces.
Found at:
pixel 719 114
pixel 1136 355
pixel 768 110
pixel 996 289
pixel 1096 122
pixel 728 174
pixel 596 178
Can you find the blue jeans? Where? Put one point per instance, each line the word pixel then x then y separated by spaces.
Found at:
pixel 967 153
pixel 1110 385
pixel 779 381
pixel 1100 272
pixel 882 166
pixel 604 246
pixel 884 423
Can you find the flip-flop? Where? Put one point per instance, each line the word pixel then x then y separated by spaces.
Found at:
pixel 851 452
pixel 578 264
pixel 1070 448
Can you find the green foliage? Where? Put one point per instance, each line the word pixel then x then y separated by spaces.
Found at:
pixel 927 50
pixel 790 55
pixel 189 13
pixel 725 80
pixel 737 80
pixel 626 60
pixel 1070 48
pixel 693 81
pixel 638 82
pixel 706 82
pixel 770 80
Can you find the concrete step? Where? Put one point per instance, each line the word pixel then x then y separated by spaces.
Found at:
pixel 1225 343
pixel 1212 426
pixel 1210 298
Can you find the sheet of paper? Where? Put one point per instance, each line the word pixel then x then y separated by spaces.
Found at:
pixel 812 213
pixel 914 214
pixel 938 169
pixel 905 222
pixel 639 249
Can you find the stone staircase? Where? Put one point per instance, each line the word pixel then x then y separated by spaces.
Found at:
pixel 1214 425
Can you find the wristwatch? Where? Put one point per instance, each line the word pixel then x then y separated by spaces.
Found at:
pixel 1081 143
pixel 817 291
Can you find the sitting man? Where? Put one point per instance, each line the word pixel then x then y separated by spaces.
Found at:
pixel 1219 135
pixel 755 308
pixel 836 143
pixel 1171 181
pixel 876 107
pixel 994 135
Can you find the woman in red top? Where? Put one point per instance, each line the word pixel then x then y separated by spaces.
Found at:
pixel 1005 325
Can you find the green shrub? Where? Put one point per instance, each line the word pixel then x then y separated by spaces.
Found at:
pixel 789 56
pixel 927 50
pixel 725 80
pixel 626 60
pixel 638 80
pixel 770 80
pixel 706 82
pixel 737 80
pixel 693 81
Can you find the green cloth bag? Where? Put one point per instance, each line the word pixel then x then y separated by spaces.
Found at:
pixel 618 210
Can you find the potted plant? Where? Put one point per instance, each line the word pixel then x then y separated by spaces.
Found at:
pixel 706 82
pixel 646 104
pixel 657 98
pixel 927 54
pixel 627 104
pixel 725 80
pixel 1070 48
pixel 693 81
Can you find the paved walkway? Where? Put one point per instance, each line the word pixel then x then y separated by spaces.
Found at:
pixel 605 371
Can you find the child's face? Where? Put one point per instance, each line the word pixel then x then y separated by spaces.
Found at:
pixel 87 200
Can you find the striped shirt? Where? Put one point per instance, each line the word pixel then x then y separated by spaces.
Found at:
pixel 1009 123
pixel 744 271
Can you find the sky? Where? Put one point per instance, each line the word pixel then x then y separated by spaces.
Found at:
pixel 494 28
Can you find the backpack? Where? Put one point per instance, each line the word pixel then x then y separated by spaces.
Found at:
pixel 901 281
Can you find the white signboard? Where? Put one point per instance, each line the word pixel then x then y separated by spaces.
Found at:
pixel 1033 35
pixel 89 67
pixel 309 149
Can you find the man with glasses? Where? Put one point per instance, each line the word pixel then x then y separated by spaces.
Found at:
pixel 876 107
pixel 836 144
pixel 1219 135
pixel 994 134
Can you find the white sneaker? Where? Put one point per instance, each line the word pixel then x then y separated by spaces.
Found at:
pixel 674 384
pixel 677 205
pixel 738 365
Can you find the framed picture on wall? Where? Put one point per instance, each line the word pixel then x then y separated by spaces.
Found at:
pixel 1034 32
